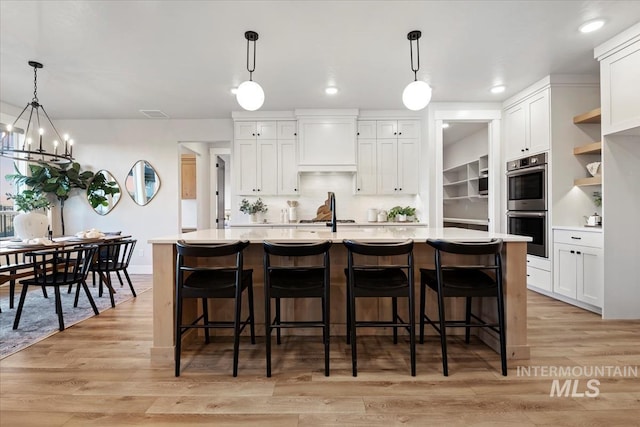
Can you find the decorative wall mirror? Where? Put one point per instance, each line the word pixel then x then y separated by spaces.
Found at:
pixel 142 183
pixel 103 193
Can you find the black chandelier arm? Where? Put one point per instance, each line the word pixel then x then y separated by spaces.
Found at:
pixel 35 156
pixel 26 131
pixel 50 122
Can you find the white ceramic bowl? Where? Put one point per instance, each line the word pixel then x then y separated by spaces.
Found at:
pixel 594 168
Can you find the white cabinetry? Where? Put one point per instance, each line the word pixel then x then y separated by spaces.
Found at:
pixel 579 266
pixel 620 80
pixel 256 154
pixel 527 125
pixel 287 158
pixel 398 151
pixel 327 143
pixel 366 178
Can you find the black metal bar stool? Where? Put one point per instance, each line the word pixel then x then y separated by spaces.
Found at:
pixel 383 279
pixel 196 278
pixel 467 280
pixel 285 278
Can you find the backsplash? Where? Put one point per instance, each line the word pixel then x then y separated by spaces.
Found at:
pixel 313 192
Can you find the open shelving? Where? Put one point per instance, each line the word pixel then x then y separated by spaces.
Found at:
pixel 461 181
pixel 592 117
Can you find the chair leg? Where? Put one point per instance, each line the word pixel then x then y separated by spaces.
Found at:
pixel 120 279
pixel 277 322
pixel 348 325
pixel 252 322
pixel 236 333
pixel 75 300
pixel 59 307
pixel 467 331
pixel 205 319
pixel 23 294
pixel 89 297
pixel 326 332
pixel 503 338
pixel 423 295
pixel 12 291
pixel 126 275
pixel 443 335
pixel 267 327
pixel 178 335
pixel 412 331
pixel 354 352
pixel 107 282
pixel 394 314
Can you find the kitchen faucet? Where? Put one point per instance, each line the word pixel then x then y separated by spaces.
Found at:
pixel 332 206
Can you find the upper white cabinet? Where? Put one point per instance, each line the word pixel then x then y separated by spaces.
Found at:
pixel 287 129
pixel 397 151
pixel 393 129
pixel 366 179
pixel 327 143
pixel 620 82
pixel 260 157
pixel 528 126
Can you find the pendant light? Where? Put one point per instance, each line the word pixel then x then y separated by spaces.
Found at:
pixel 417 94
pixel 250 95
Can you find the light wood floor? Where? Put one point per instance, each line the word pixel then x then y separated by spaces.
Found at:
pixel 98 373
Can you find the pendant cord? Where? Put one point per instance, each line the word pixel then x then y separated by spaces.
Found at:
pixel 249 69
pixel 415 69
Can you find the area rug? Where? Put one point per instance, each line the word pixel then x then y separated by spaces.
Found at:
pixel 39 319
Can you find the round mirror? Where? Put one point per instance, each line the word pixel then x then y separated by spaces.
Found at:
pixel 142 183
pixel 103 193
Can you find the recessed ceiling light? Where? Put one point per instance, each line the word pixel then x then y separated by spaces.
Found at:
pixel 331 90
pixel 498 89
pixel 234 90
pixel 445 125
pixel 591 26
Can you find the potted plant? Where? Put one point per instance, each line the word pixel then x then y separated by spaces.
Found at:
pixel 253 209
pixel 54 180
pixel 30 224
pixel 402 214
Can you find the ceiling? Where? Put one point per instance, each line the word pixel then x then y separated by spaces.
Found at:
pixel 110 59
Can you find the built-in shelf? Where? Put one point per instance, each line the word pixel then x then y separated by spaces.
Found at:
pixel 592 148
pixel 592 116
pixel 460 182
pixel 593 180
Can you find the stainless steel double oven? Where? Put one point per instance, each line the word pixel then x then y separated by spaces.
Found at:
pixel 527 201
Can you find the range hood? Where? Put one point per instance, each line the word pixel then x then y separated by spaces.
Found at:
pixel 327 168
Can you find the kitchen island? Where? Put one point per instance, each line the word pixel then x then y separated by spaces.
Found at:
pixel 514 259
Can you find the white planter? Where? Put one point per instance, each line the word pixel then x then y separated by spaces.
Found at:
pixel 30 225
pixel 401 218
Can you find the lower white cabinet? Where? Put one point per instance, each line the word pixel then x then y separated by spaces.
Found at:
pixel 578 266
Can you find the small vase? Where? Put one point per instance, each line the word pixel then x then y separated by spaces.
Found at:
pixel 401 218
pixel 254 218
pixel 30 225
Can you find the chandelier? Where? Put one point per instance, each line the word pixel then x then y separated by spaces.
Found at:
pixel 31 148
pixel 250 95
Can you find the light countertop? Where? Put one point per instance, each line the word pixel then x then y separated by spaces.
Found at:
pixel 577 228
pixel 259 234
pixel 324 224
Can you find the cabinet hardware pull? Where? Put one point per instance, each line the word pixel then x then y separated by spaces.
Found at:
pixel 358 133
pixel 400 188
pixel 576 238
pixel 295 189
pixel 295 134
pixel 578 252
pixel 528 275
pixel 573 252
pixel 358 189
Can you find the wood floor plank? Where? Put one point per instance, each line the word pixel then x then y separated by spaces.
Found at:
pixel 98 373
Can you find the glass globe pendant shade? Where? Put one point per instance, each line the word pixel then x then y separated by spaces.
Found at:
pixel 250 95
pixel 416 95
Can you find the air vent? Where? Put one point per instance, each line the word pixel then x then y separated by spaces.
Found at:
pixel 154 114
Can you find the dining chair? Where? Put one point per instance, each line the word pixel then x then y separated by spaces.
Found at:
pixel 380 270
pixel 198 278
pixel 286 275
pixel 471 270
pixel 56 268
pixel 113 257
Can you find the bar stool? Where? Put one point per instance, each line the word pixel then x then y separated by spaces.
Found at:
pixel 383 279
pixel 464 279
pixel 196 278
pixel 286 278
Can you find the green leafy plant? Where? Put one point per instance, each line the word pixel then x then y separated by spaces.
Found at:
pixel 100 189
pixel 29 200
pixel 251 208
pixel 597 198
pixel 399 210
pixel 54 180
